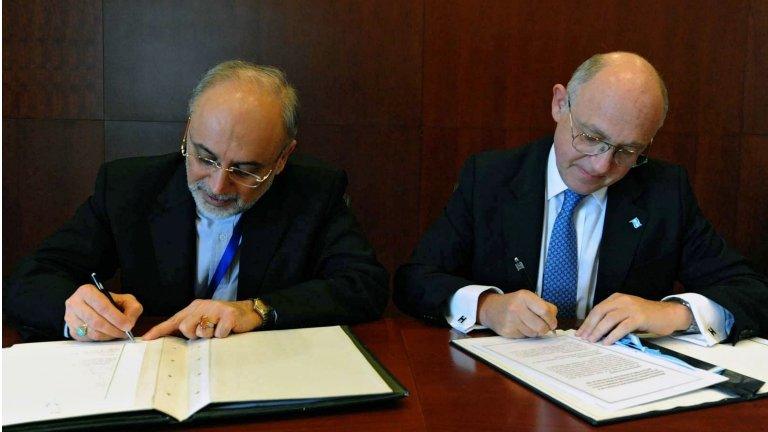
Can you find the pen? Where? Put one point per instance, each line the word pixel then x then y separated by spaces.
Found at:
pixel 111 300
pixel 520 267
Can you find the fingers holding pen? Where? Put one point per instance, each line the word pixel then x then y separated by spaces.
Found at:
pixel 518 314
pixel 91 312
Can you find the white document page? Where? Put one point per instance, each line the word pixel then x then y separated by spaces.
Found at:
pixel 612 378
pixel 290 364
pixel 748 357
pixel 47 381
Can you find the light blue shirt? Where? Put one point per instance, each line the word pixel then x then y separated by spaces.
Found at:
pixel 212 238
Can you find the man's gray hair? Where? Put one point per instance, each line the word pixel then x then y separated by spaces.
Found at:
pixel 267 76
pixel 587 70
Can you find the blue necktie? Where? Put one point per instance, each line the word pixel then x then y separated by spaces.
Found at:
pixel 226 259
pixel 561 268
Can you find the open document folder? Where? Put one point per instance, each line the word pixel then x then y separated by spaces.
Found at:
pixel 612 383
pixel 75 384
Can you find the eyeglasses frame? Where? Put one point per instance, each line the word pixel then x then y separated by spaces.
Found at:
pixel 642 155
pixel 231 170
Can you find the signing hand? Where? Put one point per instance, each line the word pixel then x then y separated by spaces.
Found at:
pixel 518 314
pixel 91 310
pixel 224 317
pixel 620 314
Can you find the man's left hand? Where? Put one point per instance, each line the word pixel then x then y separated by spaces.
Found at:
pixel 620 314
pixel 224 317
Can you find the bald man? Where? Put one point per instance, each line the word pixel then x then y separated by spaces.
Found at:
pixel 583 225
pixel 229 235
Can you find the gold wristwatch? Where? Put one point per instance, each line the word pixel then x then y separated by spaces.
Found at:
pixel 264 310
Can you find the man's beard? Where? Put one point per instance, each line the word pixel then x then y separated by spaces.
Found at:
pixel 237 205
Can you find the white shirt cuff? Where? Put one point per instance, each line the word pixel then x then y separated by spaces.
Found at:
pixel 714 321
pixel 462 311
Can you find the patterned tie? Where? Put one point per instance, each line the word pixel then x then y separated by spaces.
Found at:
pixel 561 268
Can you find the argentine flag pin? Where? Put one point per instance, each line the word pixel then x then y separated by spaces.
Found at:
pixel 636 223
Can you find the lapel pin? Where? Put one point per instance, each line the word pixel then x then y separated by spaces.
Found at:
pixel 636 223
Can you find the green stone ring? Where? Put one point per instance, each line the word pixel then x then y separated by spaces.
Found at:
pixel 82 330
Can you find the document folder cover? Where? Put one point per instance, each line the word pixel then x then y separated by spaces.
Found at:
pixel 739 386
pixel 314 365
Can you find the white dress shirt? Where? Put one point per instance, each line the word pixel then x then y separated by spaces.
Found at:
pixel 713 320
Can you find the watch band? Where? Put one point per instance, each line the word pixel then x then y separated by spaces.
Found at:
pixel 694 327
pixel 265 311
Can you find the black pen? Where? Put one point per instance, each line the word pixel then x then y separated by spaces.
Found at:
pixel 111 300
pixel 519 266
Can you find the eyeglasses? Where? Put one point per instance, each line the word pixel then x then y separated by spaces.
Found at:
pixel 237 175
pixel 587 144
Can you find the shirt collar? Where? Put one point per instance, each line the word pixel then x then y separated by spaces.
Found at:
pixel 210 222
pixel 555 184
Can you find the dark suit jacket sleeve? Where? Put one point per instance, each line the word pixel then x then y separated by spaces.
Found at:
pixel 441 263
pixel 346 285
pixel 34 296
pixel 709 267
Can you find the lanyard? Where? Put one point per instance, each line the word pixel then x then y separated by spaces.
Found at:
pixel 226 259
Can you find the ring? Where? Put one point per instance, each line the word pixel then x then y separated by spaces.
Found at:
pixel 205 323
pixel 82 330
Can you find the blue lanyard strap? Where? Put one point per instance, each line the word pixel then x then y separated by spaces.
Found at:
pixel 226 259
pixel 632 341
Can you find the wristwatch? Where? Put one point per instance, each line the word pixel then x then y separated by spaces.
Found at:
pixel 265 311
pixel 693 328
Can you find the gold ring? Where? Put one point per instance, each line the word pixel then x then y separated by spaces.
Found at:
pixel 205 323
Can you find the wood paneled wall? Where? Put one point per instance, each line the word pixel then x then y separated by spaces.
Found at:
pixel 397 92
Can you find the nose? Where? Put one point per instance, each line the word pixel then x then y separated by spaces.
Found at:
pixel 602 163
pixel 220 183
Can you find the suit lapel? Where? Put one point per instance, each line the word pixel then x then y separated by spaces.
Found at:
pixel 620 236
pixel 264 226
pixel 523 212
pixel 173 232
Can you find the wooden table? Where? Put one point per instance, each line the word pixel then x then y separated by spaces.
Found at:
pixel 451 391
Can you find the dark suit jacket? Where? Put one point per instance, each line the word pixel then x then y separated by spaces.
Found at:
pixel 302 250
pixel 497 213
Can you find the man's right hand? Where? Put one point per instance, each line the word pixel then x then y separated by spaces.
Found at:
pixel 517 315
pixel 104 322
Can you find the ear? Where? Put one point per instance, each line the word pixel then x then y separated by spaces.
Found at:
pixel 284 157
pixel 559 102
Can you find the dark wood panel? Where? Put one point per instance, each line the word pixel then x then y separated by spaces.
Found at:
pixel 12 198
pixel 53 165
pixel 495 65
pixel 383 169
pixel 715 186
pixel 444 152
pixel 52 59
pixel 678 148
pixel 755 90
pixel 134 138
pixel 752 216
pixel 352 62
